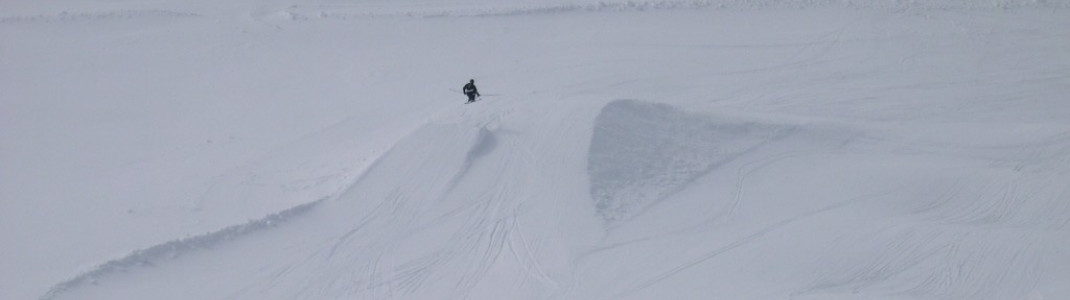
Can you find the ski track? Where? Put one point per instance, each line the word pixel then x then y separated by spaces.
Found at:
pixel 740 242
pixel 526 255
pixel 957 236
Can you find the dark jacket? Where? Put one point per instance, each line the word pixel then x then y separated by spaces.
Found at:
pixel 470 89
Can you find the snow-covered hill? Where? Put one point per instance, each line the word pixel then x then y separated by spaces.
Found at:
pixel 622 150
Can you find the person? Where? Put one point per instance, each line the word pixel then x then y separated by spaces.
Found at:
pixel 471 91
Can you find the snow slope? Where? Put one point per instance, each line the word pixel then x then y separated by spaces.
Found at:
pixel 623 150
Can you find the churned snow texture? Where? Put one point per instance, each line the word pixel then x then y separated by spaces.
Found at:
pixel 642 152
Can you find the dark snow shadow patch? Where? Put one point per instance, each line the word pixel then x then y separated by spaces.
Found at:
pixel 485 144
pixel 642 153
pixel 176 248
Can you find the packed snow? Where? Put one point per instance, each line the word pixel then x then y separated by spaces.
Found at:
pixel 720 149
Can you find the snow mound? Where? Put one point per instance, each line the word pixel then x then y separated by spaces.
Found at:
pixel 403 203
pixel 642 152
pixel 176 248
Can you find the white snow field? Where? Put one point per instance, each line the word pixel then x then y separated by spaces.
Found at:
pixel 721 149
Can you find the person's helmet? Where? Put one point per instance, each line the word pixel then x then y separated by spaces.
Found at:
pixel 472 81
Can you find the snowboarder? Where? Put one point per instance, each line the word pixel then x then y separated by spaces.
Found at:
pixel 470 90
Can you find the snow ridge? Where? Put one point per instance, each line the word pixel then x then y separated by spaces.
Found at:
pixel 175 248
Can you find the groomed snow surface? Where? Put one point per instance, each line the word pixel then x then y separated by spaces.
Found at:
pixel 798 149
